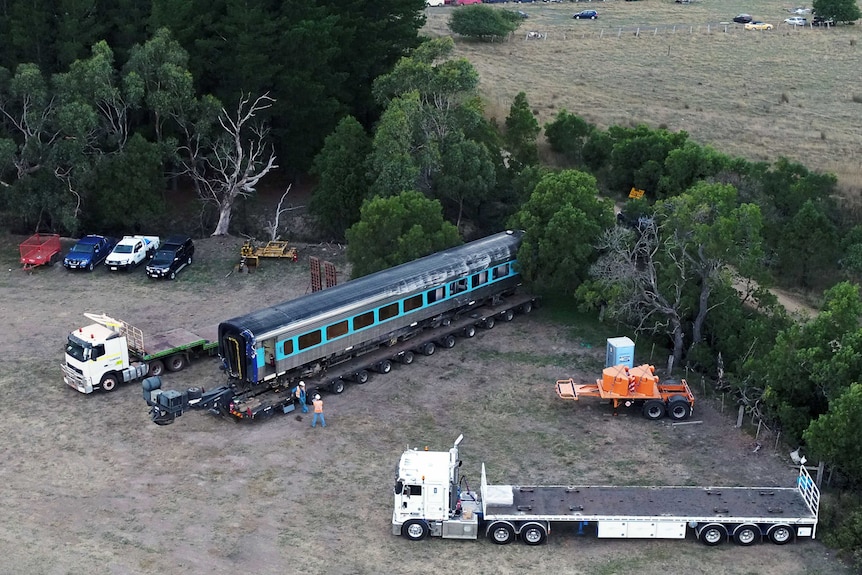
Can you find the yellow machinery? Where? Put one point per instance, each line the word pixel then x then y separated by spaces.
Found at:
pixel 251 253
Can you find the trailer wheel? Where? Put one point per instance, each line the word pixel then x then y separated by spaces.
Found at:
pixel 712 534
pixel 501 533
pixel 527 308
pixel 361 376
pixel 508 315
pixel 746 535
pixel 678 408
pixel 489 322
pixel 176 362
pixel 415 530
pixel 407 357
pixel 470 331
pixel 157 367
pixel 109 382
pixel 653 409
pixel 534 534
pixel 429 348
pixel 336 386
pixel 448 342
pixel 780 534
pixel 384 366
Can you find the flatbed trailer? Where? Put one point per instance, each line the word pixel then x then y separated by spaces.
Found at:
pixel 277 396
pixel 505 513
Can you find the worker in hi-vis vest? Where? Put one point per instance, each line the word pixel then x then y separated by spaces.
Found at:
pixel 318 411
pixel 299 393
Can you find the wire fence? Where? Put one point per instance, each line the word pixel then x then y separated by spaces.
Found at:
pixel 584 32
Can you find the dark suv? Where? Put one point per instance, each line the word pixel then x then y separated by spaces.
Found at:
pixel 175 254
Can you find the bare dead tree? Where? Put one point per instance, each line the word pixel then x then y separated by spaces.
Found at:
pixel 630 267
pixel 272 226
pixel 230 166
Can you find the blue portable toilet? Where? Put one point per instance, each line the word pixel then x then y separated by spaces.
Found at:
pixel 621 351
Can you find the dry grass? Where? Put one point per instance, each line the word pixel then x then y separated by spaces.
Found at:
pixel 760 95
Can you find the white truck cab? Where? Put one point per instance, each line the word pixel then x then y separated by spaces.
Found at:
pixel 97 356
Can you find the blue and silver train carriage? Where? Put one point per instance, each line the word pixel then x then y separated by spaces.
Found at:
pixel 312 333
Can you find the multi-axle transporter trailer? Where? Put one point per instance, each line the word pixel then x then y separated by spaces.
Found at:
pixel 429 501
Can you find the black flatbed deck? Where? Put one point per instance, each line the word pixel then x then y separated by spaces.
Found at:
pixel 597 503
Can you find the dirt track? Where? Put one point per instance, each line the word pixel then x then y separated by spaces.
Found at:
pixel 92 486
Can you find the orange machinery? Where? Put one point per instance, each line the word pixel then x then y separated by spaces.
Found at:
pixel 635 386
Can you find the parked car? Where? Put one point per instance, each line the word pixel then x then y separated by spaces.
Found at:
pixel 132 251
pixel 801 11
pixel 586 15
pixel 820 21
pixel 796 21
pixel 743 19
pixel 758 26
pixel 465 2
pixel 435 2
pixel 176 253
pixel 89 252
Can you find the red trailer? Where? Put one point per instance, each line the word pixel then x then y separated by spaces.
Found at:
pixel 40 249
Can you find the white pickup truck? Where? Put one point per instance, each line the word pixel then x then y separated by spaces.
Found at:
pixel 131 252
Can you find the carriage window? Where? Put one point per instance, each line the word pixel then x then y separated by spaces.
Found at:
pixel 336 330
pixel 501 271
pixel 387 311
pixel 412 303
pixel 479 279
pixel 459 286
pixel 436 295
pixel 309 339
pixel 363 320
pixel 288 347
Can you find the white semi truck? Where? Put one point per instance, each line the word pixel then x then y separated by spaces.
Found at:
pixel 429 500
pixel 110 351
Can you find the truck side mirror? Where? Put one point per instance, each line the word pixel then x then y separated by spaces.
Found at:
pixel 399 486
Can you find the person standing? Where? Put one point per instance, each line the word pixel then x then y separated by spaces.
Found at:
pixel 300 395
pixel 318 411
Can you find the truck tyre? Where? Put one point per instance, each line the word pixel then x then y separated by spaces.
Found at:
pixel 429 348
pixel 508 315
pixel 534 534
pixel 448 342
pixel 780 534
pixel 157 367
pixel 489 322
pixel 109 382
pixel 712 534
pixel 654 409
pixel 195 392
pixel 361 376
pixel 501 533
pixel 746 535
pixel 176 362
pixel 384 366
pixel 470 331
pixel 336 386
pixel 678 408
pixel 527 308
pixel 415 530
pixel 407 357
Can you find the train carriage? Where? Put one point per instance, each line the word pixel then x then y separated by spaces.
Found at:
pixel 308 334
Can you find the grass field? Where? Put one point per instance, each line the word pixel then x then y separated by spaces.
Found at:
pixel 759 95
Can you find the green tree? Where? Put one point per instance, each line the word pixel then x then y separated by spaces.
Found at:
pixel 483 22
pixel 522 129
pixel 638 157
pixel 808 247
pixel 466 174
pixel 567 135
pixel 562 219
pixel 342 184
pixel 395 158
pixel 397 229
pixel 687 165
pixel 837 10
pixel 812 363
pixel 833 436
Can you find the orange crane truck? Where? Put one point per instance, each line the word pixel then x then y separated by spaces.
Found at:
pixel 635 386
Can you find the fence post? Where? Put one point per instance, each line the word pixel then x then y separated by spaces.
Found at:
pixel 638 33
pixel 757 433
pixel 739 416
pixel 619 32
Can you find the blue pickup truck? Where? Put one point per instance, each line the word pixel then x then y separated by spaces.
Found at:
pixel 89 252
